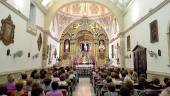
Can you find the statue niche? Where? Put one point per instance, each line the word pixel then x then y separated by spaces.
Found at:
pixel 101 46
pixel 66 46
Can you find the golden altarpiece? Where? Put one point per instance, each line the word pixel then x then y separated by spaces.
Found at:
pixel 84 41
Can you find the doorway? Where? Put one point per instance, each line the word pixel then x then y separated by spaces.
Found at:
pixel 140 60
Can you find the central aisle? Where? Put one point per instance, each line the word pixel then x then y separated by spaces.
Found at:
pixel 84 88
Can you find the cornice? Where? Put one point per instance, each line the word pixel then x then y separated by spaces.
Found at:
pixel 47 32
pixel 153 11
pixel 14 10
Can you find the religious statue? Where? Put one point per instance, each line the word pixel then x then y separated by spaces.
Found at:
pixel 101 46
pixel 85 47
pixel 66 46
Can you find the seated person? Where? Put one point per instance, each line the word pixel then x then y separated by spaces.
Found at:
pixel 142 83
pixel 125 91
pixel 24 79
pixel 155 83
pixel 3 90
pixel 62 81
pixel 165 82
pixel 38 91
pixel 19 90
pixel 55 77
pixel 11 83
pixel 165 92
pixel 33 73
pixel 55 91
pixel 46 85
pixel 129 84
pixel 111 91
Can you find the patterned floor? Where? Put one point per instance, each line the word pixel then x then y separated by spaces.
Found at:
pixel 84 88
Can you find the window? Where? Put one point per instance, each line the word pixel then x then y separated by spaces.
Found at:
pixel 32 17
pixel 128 43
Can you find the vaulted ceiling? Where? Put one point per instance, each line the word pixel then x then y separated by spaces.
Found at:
pixel 102 11
pixel 122 4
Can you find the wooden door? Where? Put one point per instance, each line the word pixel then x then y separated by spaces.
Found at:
pixel 140 60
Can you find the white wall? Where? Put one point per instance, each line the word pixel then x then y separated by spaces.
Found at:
pixel 116 52
pixel 22 41
pixel 138 9
pixel 22 5
pixel 39 18
pixel 54 45
pixel 141 35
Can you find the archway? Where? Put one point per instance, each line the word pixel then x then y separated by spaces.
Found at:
pixel 107 3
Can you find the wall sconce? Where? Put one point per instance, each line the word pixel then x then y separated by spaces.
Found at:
pixel 29 54
pixel 18 54
pixel 152 54
pixel 159 52
pixel 8 53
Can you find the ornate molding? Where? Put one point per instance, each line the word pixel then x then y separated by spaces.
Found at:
pixel 14 10
pixel 153 11
pixel 47 32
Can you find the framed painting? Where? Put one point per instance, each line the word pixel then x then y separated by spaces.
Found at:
pixel 39 42
pixel 154 31
pixel 7 31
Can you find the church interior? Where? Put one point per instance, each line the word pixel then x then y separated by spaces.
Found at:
pixel 84 48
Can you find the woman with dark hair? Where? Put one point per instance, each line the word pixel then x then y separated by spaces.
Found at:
pixel 43 73
pixel 33 73
pixel 125 91
pixel 38 91
pixel 11 83
pixel 55 91
pixel 46 85
pixel 3 90
pixel 19 90
pixel 111 91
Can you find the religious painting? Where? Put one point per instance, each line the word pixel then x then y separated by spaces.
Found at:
pixel 154 31
pixel 7 31
pixel 67 45
pixel 39 42
pixel 128 43
pixel 101 46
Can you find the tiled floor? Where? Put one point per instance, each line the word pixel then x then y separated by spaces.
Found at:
pixel 84 88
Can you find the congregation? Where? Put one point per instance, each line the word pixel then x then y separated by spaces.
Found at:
pixel 61 81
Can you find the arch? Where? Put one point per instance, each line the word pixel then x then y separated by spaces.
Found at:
pixel 107 3
pixel 70 31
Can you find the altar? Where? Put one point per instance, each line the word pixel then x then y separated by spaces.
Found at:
pixel 84 70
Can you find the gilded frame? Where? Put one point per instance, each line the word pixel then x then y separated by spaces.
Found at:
pixel 7 31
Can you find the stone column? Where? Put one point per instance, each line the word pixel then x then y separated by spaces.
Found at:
pixel 44 51
pixel 122 50
pixel 95 50
pixel 61 49
pixel 72 49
